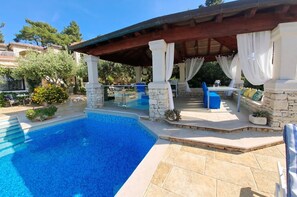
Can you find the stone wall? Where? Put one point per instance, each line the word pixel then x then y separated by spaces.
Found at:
pixel 282 107
pixel 159 102
pixel 95 96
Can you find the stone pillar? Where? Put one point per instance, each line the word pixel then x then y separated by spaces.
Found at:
pixel 138 73
pixel 95 93
pixel 280 98
pixel 158 89
pixel 182 79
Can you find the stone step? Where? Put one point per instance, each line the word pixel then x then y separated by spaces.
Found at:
pixel 10 128
pixel 12 143
pixel 6 124
pixel 12 149
pixel 11 137
pixel 10 132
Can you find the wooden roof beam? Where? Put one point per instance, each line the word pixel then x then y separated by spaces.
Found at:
pixel 283 9
pixel 136 34
pixel 219 18
pixel 208 46
pixel 226 43
pixel 250 13
pixel 260 22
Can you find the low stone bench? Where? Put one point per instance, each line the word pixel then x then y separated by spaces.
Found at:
pixel 248 103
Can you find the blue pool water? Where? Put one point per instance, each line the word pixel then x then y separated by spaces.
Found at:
pixel 93 156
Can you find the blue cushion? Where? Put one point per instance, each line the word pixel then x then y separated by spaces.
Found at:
pixel 140 87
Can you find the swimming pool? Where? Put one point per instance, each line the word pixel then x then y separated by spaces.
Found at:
pixel 92 156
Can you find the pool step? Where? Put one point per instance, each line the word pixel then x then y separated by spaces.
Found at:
pixel 11 134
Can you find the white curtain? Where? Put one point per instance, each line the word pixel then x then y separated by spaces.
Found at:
pixel 255 56
pixel 192 67
pixel 169 69
pixel 229 65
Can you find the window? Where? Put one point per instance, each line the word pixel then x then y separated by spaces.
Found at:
pixel 7 83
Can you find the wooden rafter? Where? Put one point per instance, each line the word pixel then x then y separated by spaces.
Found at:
pixel 250 13
pixel 260 22
pixel 282 9
pixel 223 41
pixel 208 46
pixel 219 18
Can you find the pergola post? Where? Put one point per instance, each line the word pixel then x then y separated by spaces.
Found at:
pixel 280 97
pixel 158 89
pixel 182 79
pixel 95 94
pixel 138 73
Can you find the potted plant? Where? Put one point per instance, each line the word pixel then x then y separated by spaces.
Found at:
pixel 259 117
pixel 172 115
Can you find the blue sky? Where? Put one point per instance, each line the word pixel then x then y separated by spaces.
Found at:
pixel 95 17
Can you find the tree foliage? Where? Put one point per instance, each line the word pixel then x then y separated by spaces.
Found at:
pixel 1 34
pixel 42 34
pixel 208 73
pixel 115 73
pixel 211 3
pixel 53 66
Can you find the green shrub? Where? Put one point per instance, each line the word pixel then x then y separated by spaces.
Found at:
pixel 41 114
pixel 261 113
pixel 2 100
pixel 49 94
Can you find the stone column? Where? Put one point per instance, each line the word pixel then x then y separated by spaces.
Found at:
pixel 280 98
pixel 182 79
pixel 138 73
pixel 158 89
pixel 95 93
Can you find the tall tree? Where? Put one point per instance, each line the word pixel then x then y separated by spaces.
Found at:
pixel 39 33
pixel 73 32
pixel 42 34
pixel 211 2
pixel 1 34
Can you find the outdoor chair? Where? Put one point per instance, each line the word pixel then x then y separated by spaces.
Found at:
pixel 214 98
pixel 288 186
pixel 11 100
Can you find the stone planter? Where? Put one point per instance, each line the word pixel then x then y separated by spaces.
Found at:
pixel 258 120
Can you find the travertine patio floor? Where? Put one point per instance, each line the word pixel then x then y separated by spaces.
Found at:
pixel 192 171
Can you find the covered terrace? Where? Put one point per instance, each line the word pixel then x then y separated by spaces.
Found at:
pixel 205 32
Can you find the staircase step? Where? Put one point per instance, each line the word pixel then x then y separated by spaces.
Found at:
pixel 16 141
pixel 11 132
pixel 8 129
pixel 7 118
pixel 8 124
pixel 12 137
pixel 12 150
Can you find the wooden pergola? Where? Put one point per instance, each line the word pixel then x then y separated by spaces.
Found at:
pixel 204 32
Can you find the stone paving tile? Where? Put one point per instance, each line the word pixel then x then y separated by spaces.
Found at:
pixel 187 161
pixel 265 180
pixel 225 189
pixel 188 183
pixel 155 191
pixel 207 152
pixel 230 172
pixel 270 151
pixel 246 159
pixel 269 163
pixel 282 149
pixel 161 173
